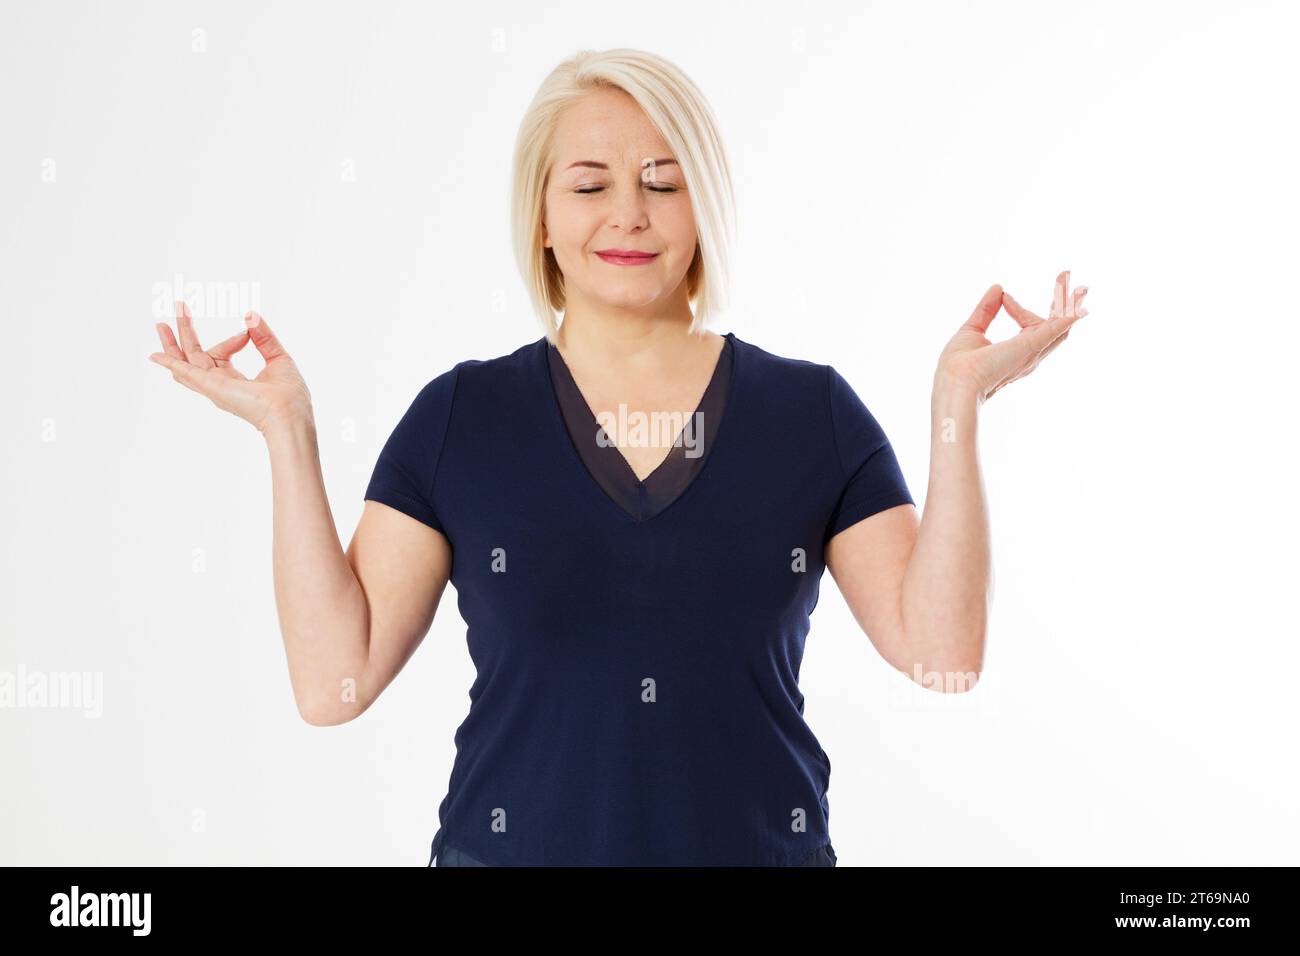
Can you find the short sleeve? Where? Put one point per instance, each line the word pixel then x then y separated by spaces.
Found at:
pixel 871 476
pixel 403 476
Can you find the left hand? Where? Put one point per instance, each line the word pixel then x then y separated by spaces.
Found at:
pixel 970 360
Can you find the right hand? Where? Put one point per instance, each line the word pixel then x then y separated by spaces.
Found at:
pixel 278 394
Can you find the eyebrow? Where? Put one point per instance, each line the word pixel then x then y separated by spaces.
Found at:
pixel 592 164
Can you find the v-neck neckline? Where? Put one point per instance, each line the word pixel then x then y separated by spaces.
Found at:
pixel 556 415
pixel 722 367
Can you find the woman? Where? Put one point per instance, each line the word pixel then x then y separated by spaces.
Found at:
pixel 637 598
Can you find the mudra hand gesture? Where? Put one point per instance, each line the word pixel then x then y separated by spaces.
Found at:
pixel 278 393
pixel 971 361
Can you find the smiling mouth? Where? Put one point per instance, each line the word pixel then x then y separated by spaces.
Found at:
pixel 623 257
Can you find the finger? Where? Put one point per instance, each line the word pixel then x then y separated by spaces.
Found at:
pixel 194 353
pixel 986 311
pixel 168 340
pixel 222 351
pixel 1062 325
pixel 263 338
pixel 1059 294
pixel 1076 300
pixel 1023 316
pixel 185 373
pixel 185 323
pixel 200 359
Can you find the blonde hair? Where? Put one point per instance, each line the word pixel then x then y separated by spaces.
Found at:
pixel 678 110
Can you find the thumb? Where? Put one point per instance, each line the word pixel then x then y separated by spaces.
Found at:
pixel 263 338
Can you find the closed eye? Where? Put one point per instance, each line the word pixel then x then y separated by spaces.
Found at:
pixel 654 189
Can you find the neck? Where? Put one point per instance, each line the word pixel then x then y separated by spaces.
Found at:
pixel 625 340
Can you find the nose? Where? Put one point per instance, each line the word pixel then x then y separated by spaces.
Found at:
pixel 628 211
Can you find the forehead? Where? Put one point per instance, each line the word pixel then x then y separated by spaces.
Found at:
pixel 609 127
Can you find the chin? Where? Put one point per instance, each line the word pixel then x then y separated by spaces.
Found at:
pixel 623 300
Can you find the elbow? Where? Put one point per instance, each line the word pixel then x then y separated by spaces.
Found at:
pixel 948 667
pixel 312 715
pixel 319 714
pixel 963 672
pixel 963 661
pixel 950 680
pixel 329 702
pixel 965 681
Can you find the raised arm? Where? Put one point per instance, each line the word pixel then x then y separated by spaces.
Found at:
pixel 350 620
pixel 921 593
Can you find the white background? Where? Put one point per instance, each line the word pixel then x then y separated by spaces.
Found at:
pixel 891 162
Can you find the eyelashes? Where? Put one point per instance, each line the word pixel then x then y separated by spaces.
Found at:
pixel 654 189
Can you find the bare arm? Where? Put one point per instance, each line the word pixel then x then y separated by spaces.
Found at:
pixel 922 593
pixel 350 621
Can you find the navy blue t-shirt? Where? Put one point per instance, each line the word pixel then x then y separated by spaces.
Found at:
pixel 636 700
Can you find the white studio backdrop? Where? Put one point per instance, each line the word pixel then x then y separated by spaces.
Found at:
pixel 343 168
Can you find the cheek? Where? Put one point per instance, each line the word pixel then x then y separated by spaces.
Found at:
pixel 679 226
pixel 571 227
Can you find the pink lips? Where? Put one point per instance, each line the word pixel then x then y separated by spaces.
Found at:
pixel 627 257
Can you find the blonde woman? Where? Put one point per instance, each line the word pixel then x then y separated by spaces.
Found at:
pixel 636 513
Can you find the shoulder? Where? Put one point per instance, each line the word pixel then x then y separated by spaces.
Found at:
pixel 814 391
pixel 819 375
pixel 499 373
pixel 477 377
pixel 782 371
pixel 809 389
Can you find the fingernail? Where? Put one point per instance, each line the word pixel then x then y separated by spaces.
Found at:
pixel 251 320
pixel 180 308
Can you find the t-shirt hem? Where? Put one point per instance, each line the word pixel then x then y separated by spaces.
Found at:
pixel 441 845
pixel 406 505
pixel 853 513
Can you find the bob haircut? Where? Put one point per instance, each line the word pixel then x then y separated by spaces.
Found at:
pixel 678 110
